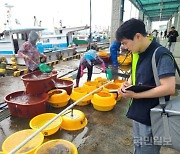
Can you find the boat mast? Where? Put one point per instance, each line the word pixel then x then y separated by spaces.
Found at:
pixel 8 21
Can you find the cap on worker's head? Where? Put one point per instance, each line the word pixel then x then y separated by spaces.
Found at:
pixel 90 55
pixel 33 37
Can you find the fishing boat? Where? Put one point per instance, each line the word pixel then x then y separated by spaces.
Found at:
pixel 80 40
pixel 55 46
pixel 13 36
pixel 12 39
pixel 60 39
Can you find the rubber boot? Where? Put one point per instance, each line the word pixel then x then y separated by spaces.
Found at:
pixel 77 83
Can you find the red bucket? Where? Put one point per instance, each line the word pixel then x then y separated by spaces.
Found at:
pixel 26 106
pixel 64 84
pixel 38 83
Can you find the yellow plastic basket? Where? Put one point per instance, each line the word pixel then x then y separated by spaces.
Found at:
pixel 40 120
pixel 15 139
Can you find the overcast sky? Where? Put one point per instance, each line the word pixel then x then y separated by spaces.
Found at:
pixel 71 12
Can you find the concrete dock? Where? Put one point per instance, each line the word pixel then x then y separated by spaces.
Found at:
pixel 105 133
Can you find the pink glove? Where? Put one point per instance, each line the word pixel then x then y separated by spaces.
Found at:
pixel 82 72
pixel 103 67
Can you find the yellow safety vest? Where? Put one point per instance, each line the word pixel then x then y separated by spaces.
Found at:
pixel 134 63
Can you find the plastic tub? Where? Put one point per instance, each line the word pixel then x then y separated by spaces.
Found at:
pixel 113 86
pixel 106 59
pixel 15 139
pixel 101 80
pixel 57 146
pixel 91 85
pixel 73 120
pixel 64 84
pixel 38 83
pixel 40 120
pixel 103 53
pixel 26 106
pixel 119 82
pixel 70 79
pixel 103 101
pixel 58 98
pixel 78 93
pixel 123 60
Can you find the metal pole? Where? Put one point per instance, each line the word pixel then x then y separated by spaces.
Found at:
pixel 122 11
pixel 131 10
pixel 50 121
pixel 90 36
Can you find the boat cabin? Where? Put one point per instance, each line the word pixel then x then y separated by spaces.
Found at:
pixel 60 39
pixel 12 39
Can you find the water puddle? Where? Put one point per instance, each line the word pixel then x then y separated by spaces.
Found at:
pixel 80 138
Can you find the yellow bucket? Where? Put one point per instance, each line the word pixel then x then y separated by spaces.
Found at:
pixel 125 68
pixel 78 93
pixel 15 139
pixel 91 85
pixel 73 120
pixel 119 82
pixel 70 79
pixel 112 86
pixel 103 53
pixel 2 71
pixel 58 98
pixel 40 120
pixel 103 101
pixel 57 146
pixel 101 80
pixel 127 61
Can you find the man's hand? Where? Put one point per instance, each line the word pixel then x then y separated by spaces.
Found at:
pixel 126 93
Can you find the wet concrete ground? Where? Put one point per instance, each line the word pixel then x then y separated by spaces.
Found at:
pixel 102 133
pixel 106 132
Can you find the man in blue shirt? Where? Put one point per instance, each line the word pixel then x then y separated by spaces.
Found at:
pixel 132 35
pixel 114 50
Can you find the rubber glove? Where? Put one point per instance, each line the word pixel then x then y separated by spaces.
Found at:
pixel 103 67
pixel 82 72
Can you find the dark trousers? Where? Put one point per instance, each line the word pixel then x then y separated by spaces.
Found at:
pixel 89 75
